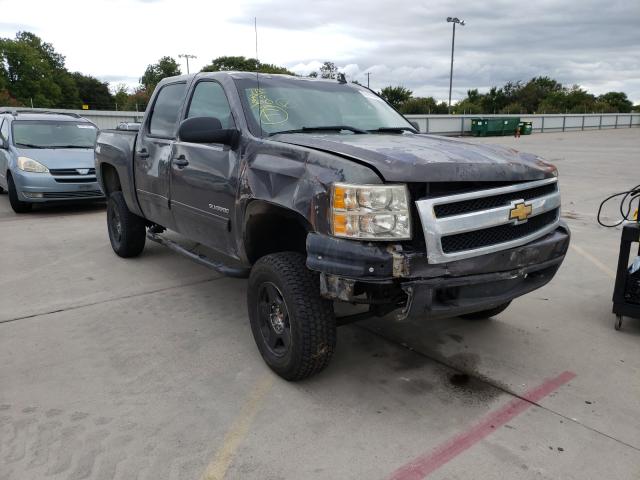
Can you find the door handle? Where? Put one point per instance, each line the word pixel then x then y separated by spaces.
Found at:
pixel 180 161
pixel 143 153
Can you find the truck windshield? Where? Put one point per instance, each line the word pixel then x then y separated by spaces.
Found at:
pixel 52 134
pixel 304 105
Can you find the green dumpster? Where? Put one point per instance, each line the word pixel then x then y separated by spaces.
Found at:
pixel 526 128
pixel 482 127
pixel 479 127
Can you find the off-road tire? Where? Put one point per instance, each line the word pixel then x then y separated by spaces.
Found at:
pixel 484 314
pixel 310 317
pixel 18 205
pixel 128 239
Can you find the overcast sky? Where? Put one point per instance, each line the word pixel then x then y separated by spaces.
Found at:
pixel 592 43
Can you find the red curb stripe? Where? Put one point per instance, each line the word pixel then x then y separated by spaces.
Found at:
pixel 427 463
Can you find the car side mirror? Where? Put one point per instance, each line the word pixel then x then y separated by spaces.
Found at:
pixel 207 130
pixel 3 144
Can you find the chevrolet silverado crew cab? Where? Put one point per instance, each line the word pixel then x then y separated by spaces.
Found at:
pixel 318 191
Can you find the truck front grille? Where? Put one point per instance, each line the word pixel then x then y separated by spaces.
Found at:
pixel 476 223
pixel 477 204
pixel 497 235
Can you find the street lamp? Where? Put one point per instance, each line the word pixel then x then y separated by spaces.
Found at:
pixel 454 20
pixel 187 57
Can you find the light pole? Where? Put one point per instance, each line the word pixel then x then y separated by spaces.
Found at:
pixel 453 20
pixel 187 57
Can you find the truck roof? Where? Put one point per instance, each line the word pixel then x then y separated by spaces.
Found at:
pixel 242 75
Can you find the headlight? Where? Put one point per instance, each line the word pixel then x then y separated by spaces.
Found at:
pixel 370 212
pixel 30 165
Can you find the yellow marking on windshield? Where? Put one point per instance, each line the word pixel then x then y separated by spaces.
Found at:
pixel 271 112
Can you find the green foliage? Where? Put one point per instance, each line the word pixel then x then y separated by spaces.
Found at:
pixel 422 105
pixel 617 100
pixel 328 70
pixel 396 96
pixel 166 67
pixel 93 92
pixel 541 95
pixel 243 64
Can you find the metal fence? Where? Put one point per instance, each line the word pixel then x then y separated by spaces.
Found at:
pixel 102 118
pixel 437 124
pixel 461 124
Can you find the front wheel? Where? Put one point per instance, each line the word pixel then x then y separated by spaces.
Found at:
pixel 293 326
pixel 18 205
pixel 127 231
pixel 492 312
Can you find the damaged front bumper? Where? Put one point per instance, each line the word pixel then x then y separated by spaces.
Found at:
pixel 370 273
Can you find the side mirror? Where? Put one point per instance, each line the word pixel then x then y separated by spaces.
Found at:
pixel 206 130
pixel 3 144
pixel 415 125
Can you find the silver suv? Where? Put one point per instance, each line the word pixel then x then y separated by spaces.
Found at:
pixel 46 157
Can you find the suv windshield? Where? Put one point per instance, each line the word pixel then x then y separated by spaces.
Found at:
pixel 293 104
pixel 52 134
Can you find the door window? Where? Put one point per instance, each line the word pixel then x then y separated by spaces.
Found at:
pixel 166 110
pixel 209 100
pixel 4 130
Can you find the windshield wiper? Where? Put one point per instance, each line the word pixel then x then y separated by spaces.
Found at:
pixel 327 128
pixel 29 145
pixel 394 129
pixel 69 146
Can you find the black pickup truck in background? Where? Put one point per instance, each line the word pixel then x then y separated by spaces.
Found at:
pixel 318 191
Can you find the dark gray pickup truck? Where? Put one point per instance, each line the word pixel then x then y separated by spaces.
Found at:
pixel 318 191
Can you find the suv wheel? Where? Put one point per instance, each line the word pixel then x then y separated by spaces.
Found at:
pixel 127 231
pixel 293 326
pixel 492 312
pixel 18 205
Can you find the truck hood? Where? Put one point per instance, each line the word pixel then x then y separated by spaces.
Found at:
pixel 60 157
pixel 427 158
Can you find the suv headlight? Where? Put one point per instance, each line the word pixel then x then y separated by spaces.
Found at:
pixel 27 164
pixel 370 212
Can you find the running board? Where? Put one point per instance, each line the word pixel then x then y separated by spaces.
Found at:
pixel 237 272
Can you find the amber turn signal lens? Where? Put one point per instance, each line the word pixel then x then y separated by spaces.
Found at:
pixel 339 224
pixel 338 197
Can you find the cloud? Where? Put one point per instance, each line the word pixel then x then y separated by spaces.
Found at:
pixel 409 43
pixel 404 42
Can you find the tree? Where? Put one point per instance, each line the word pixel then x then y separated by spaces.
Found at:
pixel 328 70
pixel 33 71
pixel 418 105
pixel 617 100
pixel 166 67
pixel 243 64
pixel 396 96
pixel 313 75
pixel 93 92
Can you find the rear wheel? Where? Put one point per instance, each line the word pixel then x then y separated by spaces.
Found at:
pixel 127 231
pixel 293 326
pixel 18 205
pixel 492 312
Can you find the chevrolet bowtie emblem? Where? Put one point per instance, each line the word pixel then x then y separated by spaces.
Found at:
pixel 520 212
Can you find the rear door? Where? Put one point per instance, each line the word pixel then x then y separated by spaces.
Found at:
pixel 204 176
pixel 153 153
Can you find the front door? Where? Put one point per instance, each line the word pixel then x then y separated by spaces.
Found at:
pixel 203 176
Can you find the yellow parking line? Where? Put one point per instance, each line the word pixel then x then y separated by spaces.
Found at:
pixel 593 260
pixel 217 469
